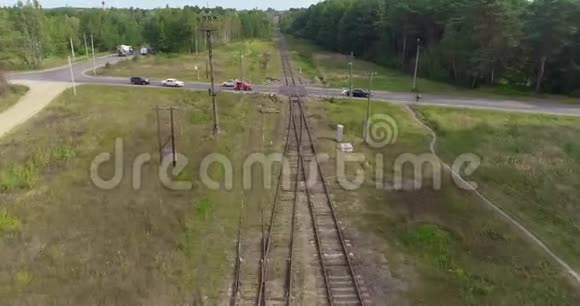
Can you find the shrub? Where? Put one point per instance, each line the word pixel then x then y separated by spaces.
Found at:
pixel 4 88
pixel 8 223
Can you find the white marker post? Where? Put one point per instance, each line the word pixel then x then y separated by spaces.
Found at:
pixel 339 131
pixel 72 76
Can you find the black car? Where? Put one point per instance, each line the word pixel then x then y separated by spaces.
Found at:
pixel 139 81
pixel 360 93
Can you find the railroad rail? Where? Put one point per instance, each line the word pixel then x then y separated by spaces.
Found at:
pixel 275 284
pixel 341 282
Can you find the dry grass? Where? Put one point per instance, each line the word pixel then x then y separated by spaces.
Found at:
pixel 11 96
pixel 71 243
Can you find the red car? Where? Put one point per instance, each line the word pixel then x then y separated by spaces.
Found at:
pixel 242 86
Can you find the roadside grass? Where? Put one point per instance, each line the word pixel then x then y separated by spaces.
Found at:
pixel 10 98
pixel 261 64
pixel 65 241
pixel 442 247
pixel 56 61
pixel 530 167
pixel 329 69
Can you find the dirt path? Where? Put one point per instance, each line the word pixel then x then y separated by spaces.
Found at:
pixel 38 96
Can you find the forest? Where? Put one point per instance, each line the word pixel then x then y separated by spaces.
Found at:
pixel 29 34
pixel 526 45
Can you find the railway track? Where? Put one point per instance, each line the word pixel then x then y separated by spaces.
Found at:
pixel 329 263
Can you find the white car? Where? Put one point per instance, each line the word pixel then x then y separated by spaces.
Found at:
pixel 172 83
pixel 230 83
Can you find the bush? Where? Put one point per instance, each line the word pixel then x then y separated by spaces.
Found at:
pixel 107 65
pixel 8 222
pixel 4 88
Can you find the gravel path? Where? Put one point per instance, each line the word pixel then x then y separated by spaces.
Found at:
pixel 38 96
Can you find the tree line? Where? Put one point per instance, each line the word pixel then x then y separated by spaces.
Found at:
pixel 519 43
pixel 29 34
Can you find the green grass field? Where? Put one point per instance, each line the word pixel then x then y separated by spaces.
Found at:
pixel 56 61
pixel 10 98
pixel 444 247
pixel 531 167
pixel 261 64
pixel 324 68
pixel 64 241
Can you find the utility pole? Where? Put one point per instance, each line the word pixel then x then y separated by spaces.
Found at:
pixel 72 76
pixel 86 48
pixel 192 44
pixel 350 75
pixel 162 141
pixel 94 63
pixel 196 49
pixel 241 66
pixel 213 100
pixel 172 137
pixel 416 65
pixel 366 128
pixel 159 141
pixel 210 23
pixel 206 69
pixel 72 47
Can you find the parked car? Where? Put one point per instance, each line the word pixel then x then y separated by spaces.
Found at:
pixel 139 81
pixel 230 83
pixel 172 83
pixel 242 86
pixel 357 92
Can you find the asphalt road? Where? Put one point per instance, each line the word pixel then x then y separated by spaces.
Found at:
pixel 62 74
